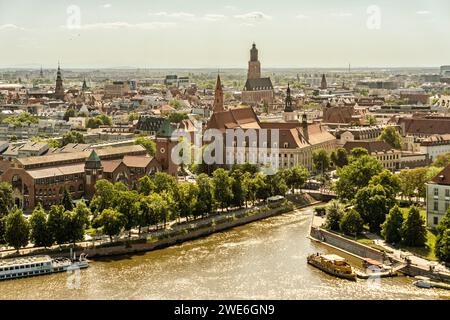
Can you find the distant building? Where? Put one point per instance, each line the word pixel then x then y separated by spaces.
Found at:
pixel 256 89
pixel 323 83
pixel 117 89
pixel 149 124
pixel 59 88
pixel 435 145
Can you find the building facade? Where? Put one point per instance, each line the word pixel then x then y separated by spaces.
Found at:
pixel 438 197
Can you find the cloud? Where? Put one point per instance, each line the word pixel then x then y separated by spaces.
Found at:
pixel 107 5
pixel 233 8
pixel 175 15
pixel 255 16
pixel 302 16
pixel 423 12
pixel 126 25
pixel 341 14
pixel 214 17
pixel 10 26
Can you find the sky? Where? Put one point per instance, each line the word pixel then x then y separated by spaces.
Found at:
pixel 219 33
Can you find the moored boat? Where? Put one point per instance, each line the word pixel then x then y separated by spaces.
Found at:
pixel 38 265
pixel 332 264
pixel 425 282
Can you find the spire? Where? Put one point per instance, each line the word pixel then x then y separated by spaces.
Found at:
pixel 323 84
pixel 93 161
pixel 288 102
pixel 253 53
pixel 218 96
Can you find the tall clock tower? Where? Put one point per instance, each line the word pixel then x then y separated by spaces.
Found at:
pixel 254 66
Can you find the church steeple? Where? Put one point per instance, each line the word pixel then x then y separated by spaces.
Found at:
pixel 59 89
pixel 218 96
pixel 84 87
pixel 323 84
pixel 288 102
pixel 254 66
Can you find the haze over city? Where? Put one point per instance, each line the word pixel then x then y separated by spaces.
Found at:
pixel 216 34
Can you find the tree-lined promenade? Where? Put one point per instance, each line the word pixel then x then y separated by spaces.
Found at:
pixel 157 200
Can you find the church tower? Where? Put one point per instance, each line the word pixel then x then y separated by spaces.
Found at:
pixel 164 145
pixel 254 66
pixel 323 83
pixel 59 89
pixel 218 96
pixel 289 113
pixel 93 170
pixel 84 87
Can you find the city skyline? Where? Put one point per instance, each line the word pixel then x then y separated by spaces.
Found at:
pixel 200 34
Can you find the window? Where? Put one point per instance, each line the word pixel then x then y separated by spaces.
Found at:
pixel 435 206
pixel 435 220
pixel 436 191
pixel 447 192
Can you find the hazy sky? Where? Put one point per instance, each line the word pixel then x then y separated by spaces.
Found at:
pixel 219 33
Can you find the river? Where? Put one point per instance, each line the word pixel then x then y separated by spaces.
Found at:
pixel 261 260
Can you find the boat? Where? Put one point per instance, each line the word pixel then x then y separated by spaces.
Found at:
pixel 39 265
pixel 425 282
pixel 332 264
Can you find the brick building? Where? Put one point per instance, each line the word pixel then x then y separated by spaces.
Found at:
pixel 43 179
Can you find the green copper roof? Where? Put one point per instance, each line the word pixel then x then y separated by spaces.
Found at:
pixel 93 156
pixel 165 130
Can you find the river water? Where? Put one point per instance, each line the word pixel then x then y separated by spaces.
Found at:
pixel 261 260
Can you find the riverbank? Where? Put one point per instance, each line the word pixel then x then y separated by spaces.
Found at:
pixel 361 251
pixel 175 234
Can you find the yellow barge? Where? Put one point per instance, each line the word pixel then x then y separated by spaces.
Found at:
pixel 332 264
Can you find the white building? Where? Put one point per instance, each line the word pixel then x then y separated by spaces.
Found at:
pixel 438 197
pixel 435 145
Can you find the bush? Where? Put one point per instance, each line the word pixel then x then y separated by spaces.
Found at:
pixel 334 211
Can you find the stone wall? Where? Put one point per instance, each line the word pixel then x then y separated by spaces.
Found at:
pixel 180 237
pixel 346 244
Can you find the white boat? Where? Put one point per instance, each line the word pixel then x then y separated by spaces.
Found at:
pixel 38 265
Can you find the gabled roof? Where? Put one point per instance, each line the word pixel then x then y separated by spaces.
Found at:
pixel 258 84
pixel 443 177
pixel 370 146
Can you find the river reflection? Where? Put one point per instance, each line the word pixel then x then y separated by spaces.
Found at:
pixel 262 260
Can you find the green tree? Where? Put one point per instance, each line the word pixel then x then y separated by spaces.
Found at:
pixel 66 200
pixel 238 189
pixel 40 233
pixel 334 212
pixel 70 113
pixel 77 221
pixel 187 199
pixel 105 196
pixel 358 152
pixel 146 185
pixel 442 160
pixel 133 116
pixel 296 177
pixel 222 188
pixel 339 157
pixel 17 229
pixel 372 202
pixel 356 175
pixel 390 182
pixel 125 201
pixel 177 117
pixel 111 221
pixel 391 229
pixel 147 143
pixel 58 224
pixel 351 223
pixel 414 232
pixel 25 118
pixel 261 189
pixel 72 137
pixel 205 203
pixel 391 136
pixel 321 160
pixel 164 182
pixel 442 248
pixel 6 203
